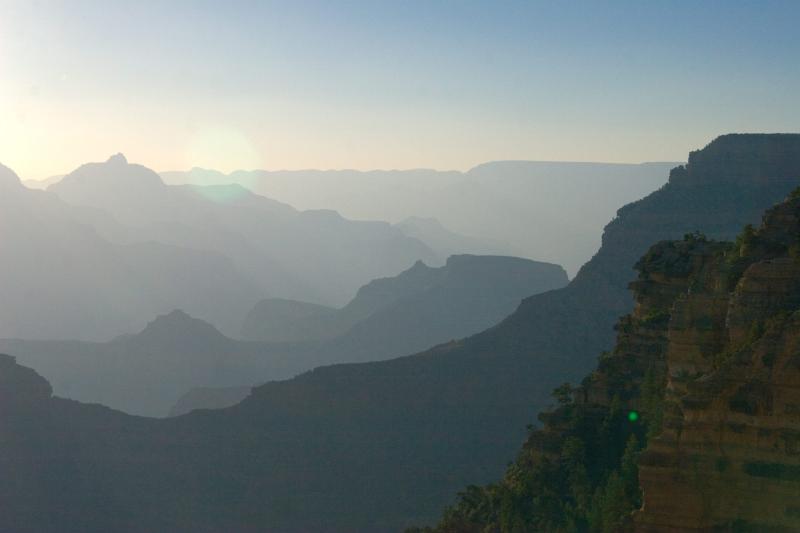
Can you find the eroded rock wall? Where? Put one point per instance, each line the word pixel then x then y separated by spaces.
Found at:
pixel 728 454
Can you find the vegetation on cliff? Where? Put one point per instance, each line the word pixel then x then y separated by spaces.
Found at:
pixel 700 393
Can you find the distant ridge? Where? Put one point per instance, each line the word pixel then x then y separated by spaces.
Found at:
pixel 362 447
pixel 423 291
pixel 527 207
pixel 73 272
pixel 148 373
pixel 316 255
pixel 43 183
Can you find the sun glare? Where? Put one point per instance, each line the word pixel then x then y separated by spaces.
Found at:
pixel 223 148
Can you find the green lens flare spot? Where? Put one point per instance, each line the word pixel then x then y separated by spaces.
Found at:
pixel 633 416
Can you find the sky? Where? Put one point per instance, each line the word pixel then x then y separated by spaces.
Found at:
pixel 379 84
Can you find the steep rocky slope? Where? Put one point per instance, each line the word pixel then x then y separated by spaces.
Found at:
pixel 728 454
pixel 699 395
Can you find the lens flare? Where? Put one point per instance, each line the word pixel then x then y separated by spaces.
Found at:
pixel 222 148
pixel 223 194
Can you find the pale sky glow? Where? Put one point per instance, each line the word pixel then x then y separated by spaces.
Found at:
pixel 386 84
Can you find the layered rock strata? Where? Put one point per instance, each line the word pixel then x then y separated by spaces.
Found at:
pixel 728 455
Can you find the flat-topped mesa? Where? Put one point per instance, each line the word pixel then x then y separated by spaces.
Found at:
pixel 743 158
pixel 474 266
pixel 728 454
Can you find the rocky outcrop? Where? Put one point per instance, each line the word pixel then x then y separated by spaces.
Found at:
pixel 742 158
pixel 692 418
pixel 728 455
pixel 708 371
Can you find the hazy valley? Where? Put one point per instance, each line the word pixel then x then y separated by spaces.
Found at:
pixel 399 267
pixel 371 432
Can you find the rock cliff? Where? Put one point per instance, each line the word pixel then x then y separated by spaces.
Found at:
pixel 728 454
pixel 701 396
